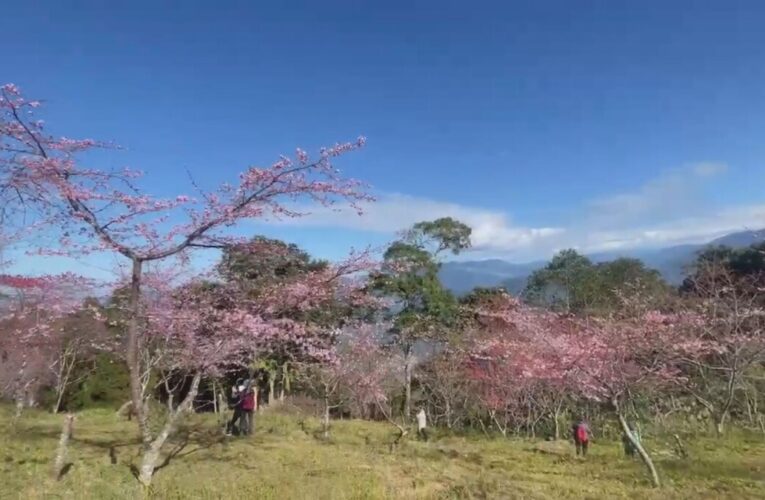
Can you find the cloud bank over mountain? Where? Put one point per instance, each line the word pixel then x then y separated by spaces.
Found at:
pixel 671 209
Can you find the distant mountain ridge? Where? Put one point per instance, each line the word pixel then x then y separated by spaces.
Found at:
pixel 672 262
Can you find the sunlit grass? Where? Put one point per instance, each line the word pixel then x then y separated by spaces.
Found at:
pixel 286 458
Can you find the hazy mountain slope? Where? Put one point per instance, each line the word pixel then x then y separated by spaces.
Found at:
pixel 671 262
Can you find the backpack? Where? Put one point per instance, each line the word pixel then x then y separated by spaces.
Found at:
pixel 581 433
pixel 248 401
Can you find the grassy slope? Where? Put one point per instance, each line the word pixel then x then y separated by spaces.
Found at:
pixel 285 460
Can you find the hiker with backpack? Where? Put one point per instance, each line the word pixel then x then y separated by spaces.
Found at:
pixel 235 403
pixel 581 435
pixel 249 404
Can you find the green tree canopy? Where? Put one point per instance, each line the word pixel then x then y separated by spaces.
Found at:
pixel 572 283
pixel 440 235
pixel 567 282
pixel 266 261
pixel 745 264
pixel 409 275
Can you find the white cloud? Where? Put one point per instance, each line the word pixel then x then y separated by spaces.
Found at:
pixel 674 193
pixel 709 169
pixel 668 210
pixel 492 230
pixel 679 230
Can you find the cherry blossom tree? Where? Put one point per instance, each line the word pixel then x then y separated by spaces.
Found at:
pixel 447 390
pixel 81 336
pixel 367 372
pixel 206 327
pixel 22 371
pixel 612 360
pixel 98 210
pixel 353 373
pixel 35 348
pixel 730 341
pixel 495 387
pixel 510 360
pixel 323 381
pixel 264 265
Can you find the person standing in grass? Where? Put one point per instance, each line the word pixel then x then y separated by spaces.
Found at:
pixel 581 435
pixel 422 424
pixel 249 405
pixel 235 402
pixel 629 448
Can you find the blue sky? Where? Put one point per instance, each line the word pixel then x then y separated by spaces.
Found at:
pixel 545 124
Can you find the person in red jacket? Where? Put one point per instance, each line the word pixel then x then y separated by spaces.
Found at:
pixel 581 435
pixel 249 405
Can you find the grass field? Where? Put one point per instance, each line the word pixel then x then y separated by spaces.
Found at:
pixel 286 459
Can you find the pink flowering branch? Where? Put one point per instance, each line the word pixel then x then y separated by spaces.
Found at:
pixel 38 169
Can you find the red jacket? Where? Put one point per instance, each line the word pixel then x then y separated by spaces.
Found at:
pixel 248 401
pixel 580 433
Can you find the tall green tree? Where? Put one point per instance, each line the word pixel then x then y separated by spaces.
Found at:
pixel 424 308
pixel 264 261
pixel 626 277
pixel 567 282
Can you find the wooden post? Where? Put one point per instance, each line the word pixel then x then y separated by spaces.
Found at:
pixel 215 398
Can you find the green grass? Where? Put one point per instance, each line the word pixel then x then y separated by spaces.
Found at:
pixel 285 459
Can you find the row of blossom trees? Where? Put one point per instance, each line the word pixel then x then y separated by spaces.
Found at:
pixel 525 364
pixel 549 357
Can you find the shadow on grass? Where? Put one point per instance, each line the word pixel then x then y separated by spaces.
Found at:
pixel 177 451
pixel 189 439
pixel 200 436
pixel 64 471
pixel 34 433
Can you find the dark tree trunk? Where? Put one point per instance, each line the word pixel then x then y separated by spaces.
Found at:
pixel 133 357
